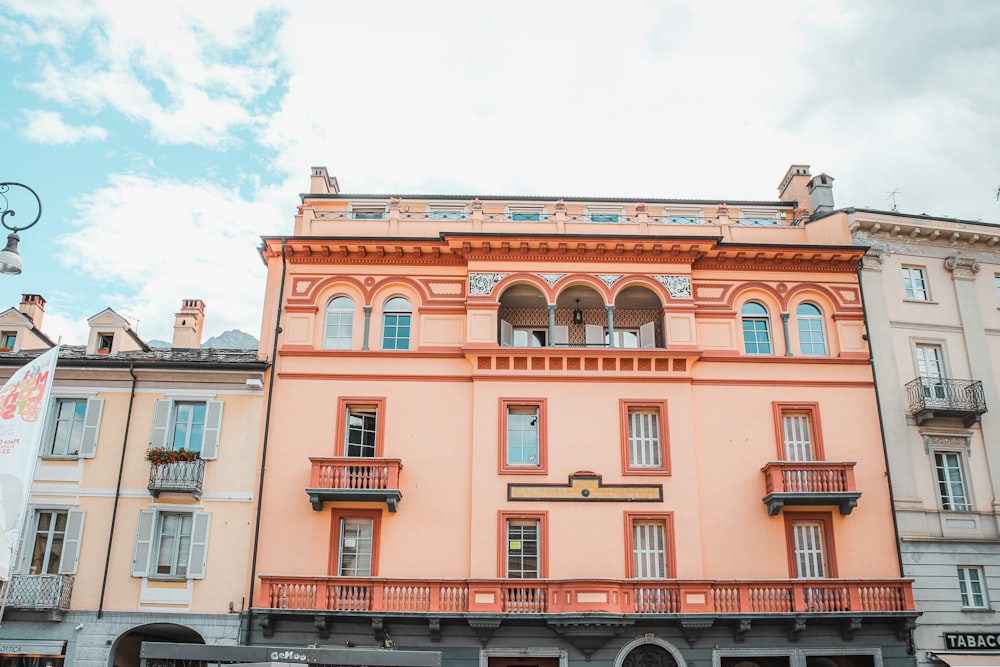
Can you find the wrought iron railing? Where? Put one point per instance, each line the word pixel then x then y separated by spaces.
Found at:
pixel 550 596
pixel 945 394
pixel 47 592
pixel 178 476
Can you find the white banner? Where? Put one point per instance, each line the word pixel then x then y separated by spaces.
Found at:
pixel 23 403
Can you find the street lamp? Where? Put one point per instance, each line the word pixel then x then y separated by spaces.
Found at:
pixel 10 261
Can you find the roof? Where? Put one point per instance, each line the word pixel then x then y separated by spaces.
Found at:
pixel 76 355
pixel 518 198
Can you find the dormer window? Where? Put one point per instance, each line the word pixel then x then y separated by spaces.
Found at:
pixel 104 341
pixel 368 212
pixel 605 214
pixel 7 340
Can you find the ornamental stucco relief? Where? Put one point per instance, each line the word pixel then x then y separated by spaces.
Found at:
pixel 678 286
pixel 481 284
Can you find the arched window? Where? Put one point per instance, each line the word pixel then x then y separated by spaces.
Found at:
pixel 337 334
pixel 812 337
pixel 756 328
pixel 396 324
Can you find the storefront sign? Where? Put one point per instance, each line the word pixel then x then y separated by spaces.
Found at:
pixel 977 641
pixel 31 647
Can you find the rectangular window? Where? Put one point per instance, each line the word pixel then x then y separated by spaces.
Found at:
pixel 522 549
pixel 649 538
pixel 997 279
pixel 354 550
pixel 526 214
pixel 189 425
pixel 104 343
pixel 759 217
pixel 809 537
pixel 522 436
pixel 70 415
pixel 7 340
pixel 368 213
pixel 173 544
pixel 644 442
pixel 446 213
pixel 971 583
pixel 915 284
pixel 361 431
pixel 52 543
pixel 605 214
pixel 951 481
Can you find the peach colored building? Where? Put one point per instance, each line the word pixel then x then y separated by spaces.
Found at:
pixel 932 293
pixel 116 550
pixel 542 431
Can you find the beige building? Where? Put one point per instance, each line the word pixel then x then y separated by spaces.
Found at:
pixel 932 295
pixel 142 506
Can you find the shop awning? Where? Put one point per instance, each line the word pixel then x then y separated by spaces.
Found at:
pixel 31 647
pixel 970 659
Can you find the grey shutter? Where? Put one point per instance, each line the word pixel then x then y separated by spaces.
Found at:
pixel 161 419
pixel 49 433
pixel 595 334
pixel 71 542
pixel 199 545
pixel 91 427
pixel 560 335
pixel 506 334
pixel 213 426
pixel 143 543
pixel 27 542
pixel 647 335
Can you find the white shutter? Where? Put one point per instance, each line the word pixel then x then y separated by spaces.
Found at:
pixel 213 427
pixel 91 427
pixel 809 557
pixel 647 335
pixel 199 545
pixel 560 335
pixel 506 334
pixel 143 543
pixel 649 551
pixel 71 542
pixel 644 438
pixel 161 419
pixel 798 437
pixel 595 334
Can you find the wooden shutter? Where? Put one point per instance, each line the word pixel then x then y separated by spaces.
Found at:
pixel 213 427
pixel 91 427
pixel 647 335
pixel 161 420
pixel 199 545
pixel 506 334
pixel 595 334
pixel 71 542
pixel 143 543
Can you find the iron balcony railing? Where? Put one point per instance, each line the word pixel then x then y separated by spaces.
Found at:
pixel 178 477
pixel 45 592
pixel 930 396
pixel 574 596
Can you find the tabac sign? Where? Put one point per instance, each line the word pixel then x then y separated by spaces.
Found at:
pixel 973 641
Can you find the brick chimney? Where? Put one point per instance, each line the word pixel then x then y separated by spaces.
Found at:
pixel 33 306
pixel 821 194
pixel 321 183
pixel 187 325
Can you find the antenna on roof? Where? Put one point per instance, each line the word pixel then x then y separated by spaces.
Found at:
pixel 892 196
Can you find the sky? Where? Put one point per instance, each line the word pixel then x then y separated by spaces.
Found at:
pixel 165 138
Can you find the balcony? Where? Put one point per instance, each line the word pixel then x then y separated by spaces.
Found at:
pixel 352 479
pixel 810 483
pixel 546 596
pixel 40 592
pixel 177 477
pixel 930 397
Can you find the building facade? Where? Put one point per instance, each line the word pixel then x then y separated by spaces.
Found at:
pixel 536 431
pixel 932 293
pixel 142 506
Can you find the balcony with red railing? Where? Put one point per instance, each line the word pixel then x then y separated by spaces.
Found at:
pixel 354 479
pixel 576 596
pixel 810 483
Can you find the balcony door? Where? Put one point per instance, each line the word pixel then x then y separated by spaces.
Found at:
pixel 930 366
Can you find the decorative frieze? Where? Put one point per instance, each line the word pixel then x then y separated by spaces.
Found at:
pixel 609 279
pixel 678 286
pixel 482 284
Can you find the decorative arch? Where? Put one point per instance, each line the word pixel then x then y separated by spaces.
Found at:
pixel 125 648
pixel 322 291
pixel 756 290
pixel 826 300
pixel 583 280
pixel 626 658
pixel 530 279
pixel 654 286
pixel 386 288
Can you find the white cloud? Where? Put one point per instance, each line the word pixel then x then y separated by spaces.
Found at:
pixel 48 127
pixel 156 242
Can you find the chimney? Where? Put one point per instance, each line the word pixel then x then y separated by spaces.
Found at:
pixel 821 194
pixel 188 324
pixel 321 183
pixel 793 185
pixel 33 306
